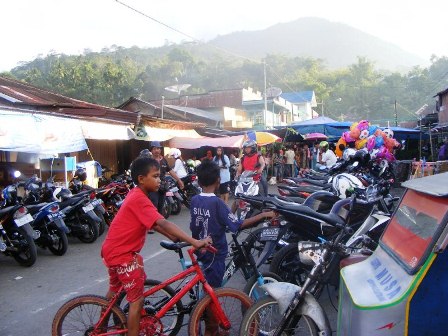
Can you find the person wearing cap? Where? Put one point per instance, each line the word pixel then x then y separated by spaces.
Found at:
pixel 327 158
pixel 158 197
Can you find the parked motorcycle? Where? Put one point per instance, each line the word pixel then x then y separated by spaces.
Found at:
pixel 77 187
pixel 191 188
pixel 173 196
pixel 47 219
pixel 77 211
pixel 16 234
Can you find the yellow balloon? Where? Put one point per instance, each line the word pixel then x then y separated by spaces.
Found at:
pixel 360 143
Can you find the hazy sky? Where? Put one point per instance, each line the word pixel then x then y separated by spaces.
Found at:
pixel 35 27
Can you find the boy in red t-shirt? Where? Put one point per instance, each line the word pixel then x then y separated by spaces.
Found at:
pixel 126 237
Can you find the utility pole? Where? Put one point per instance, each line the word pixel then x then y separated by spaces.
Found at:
pixel 396 114
pixel 163 103
pixel 265 95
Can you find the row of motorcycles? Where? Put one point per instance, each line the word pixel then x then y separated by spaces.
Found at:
pixel 40 214
pixel 324 218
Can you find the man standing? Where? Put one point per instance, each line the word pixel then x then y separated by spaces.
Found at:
pixel 290 156
pixel 158 197
pixel 327 158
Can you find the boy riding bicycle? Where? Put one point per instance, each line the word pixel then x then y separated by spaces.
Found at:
pixel 126 237
pixel 210 217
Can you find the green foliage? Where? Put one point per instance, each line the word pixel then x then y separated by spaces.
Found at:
pixel 356 92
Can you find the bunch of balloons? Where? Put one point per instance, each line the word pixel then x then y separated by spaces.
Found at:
pixel 379 143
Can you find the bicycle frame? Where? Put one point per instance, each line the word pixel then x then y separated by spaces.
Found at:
pixel 199 277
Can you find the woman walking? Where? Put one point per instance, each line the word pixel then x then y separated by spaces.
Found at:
pixel 222 160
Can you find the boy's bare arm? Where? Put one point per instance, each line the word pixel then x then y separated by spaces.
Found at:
pixel 251 221
pixel 173 232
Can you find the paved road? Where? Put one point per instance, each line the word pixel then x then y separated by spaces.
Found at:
pixel 30 297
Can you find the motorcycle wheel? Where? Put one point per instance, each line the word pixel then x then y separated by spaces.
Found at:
pixel 176 207
pixel 28 250
pixel 166 209
pixel 102 225
pixel 92 233
pixel 61 245
pixel 286 264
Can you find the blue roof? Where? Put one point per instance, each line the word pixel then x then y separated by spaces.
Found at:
pixel 298 97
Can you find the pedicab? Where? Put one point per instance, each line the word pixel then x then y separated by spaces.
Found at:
pixel 402 288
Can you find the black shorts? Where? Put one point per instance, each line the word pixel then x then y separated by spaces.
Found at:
pixel 224 188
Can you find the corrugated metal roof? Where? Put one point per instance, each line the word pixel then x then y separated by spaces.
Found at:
pixel 21 95
pixel 298 97
pixel 197 112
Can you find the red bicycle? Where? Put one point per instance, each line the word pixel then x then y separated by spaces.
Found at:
pixel 94 315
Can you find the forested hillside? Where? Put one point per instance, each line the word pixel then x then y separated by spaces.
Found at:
pixel 110 77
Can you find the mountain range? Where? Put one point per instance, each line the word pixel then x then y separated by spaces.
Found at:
pixel 337 44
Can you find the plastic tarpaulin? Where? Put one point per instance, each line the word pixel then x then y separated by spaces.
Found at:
pixel 189 143
pixel 37 133
pixel 103 131
pixel 163 134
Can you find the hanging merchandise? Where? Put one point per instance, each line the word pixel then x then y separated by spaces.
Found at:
pixel 379 143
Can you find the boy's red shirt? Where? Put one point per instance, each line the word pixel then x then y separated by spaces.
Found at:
pixel 128 230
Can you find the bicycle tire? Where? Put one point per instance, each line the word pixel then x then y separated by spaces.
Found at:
pixel 268 308
pixel 254 291
pixel 158 301
pixel 233 311
pixel 117 317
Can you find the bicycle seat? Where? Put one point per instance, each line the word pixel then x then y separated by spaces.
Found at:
pixel 173 246
pixel 331 218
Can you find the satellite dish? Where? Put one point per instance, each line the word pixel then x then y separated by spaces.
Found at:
pixel 273 92
pixel 178 88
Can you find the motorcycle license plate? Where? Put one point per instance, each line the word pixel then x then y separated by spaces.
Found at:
pixel 169 193
pixel 51 217
pixel 174 189
pixel 23 220
pixel 95 202
pixel 269 234
pixel 87 208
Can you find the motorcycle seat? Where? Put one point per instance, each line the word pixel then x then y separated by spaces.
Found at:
pixel 6 210
pixel 34 208
pixel 331 218
pixel 70 201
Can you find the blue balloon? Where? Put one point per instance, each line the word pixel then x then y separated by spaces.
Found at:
pixel 372 129
pixel 379 141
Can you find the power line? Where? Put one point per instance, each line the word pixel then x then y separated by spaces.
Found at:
pixel 211 44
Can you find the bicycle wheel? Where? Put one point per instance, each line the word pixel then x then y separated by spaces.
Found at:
pixel 173 319
pixel 79 316
pixel 263 317
pixel 234 304
pixel 252 288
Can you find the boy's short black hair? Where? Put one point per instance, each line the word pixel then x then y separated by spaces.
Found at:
pixel 141 166
pixel 208 173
